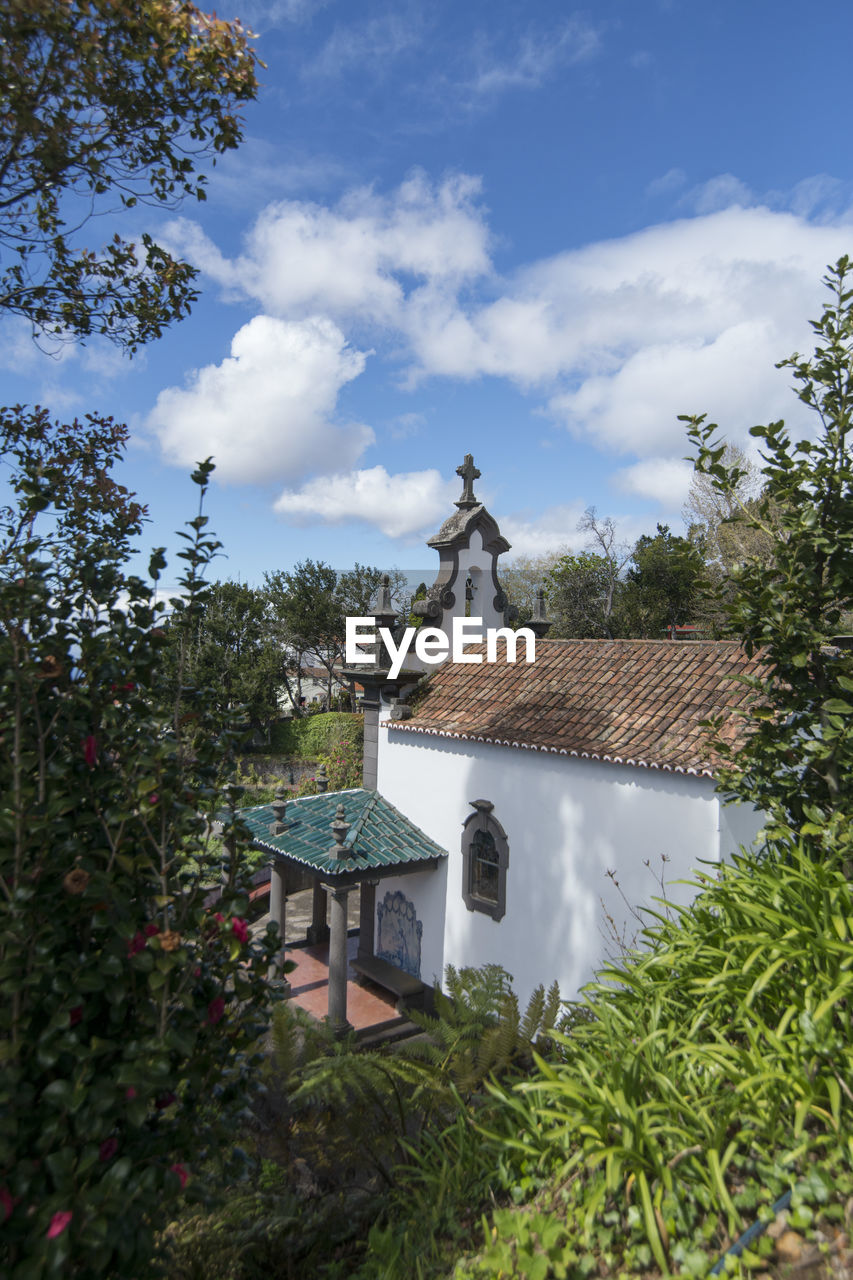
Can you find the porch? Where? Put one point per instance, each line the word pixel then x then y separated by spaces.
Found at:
pixel 320 893
pixel 368 1006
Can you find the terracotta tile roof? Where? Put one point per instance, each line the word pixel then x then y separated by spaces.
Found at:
pixel 637 702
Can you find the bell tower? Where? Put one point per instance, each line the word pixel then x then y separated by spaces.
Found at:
pixel 468 543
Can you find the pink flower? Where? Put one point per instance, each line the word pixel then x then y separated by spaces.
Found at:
pixel 241 929
pixel 75 1015
pixel 153 798
pixel 90 753
pixel 107 1149
pixel 151 928
pixel 7 1203
pixel 215 1010
pixel 130 1093
pixel 219 918
pixel 136 943
pixel 181 1172
pixel 58 1223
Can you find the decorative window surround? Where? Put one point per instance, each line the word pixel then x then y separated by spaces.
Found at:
pixel 485 858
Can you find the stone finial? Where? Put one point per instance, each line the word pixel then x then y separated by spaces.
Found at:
pixel 279 808
pixel 322 780
pixel 339 828
pixel 469 474
pixel 384 616
pixel 540 623
pixel 384 605
pixel 384 612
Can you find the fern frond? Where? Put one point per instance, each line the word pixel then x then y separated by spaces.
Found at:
pixel 552 1007
pixel 533 1015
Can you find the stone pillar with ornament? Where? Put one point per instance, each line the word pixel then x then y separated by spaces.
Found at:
pixel 278 889
pixel 338 962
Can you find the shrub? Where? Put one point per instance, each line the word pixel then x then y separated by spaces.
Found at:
pixel 131 1013
pixel 314 736
pixel 712 1073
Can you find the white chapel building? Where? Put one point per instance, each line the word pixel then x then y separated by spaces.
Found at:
pixel 518 813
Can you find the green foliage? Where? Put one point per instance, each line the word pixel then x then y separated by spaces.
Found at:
pixel 307 610
pixel 106 103
pixel 477 1028
pixel 590 597
pixel 798 762
pixel 313 737
pixel 131 1012
pixel 520 579
pixel 227 651
pixel 716 1063
pixel 579 588
pixel 414 619
pixel 663 584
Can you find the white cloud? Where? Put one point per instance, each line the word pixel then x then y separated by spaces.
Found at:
pixel 265 412
pixel 259 15
pixel 668 182
pixel 718 193
pixel 355 260
pixel 616 338
pixel 624 335
pixel 538 56
pixel 369 45
pixel 636 408
pixel 665 480
pixel 554 529
pixel 398 505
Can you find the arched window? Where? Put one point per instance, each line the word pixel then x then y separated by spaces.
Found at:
pixel 485 857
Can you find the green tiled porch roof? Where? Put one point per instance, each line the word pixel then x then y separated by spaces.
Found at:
pixel 379 835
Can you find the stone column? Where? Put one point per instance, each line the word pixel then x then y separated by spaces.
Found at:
pixel 338 961
pixel 318 929
pixel 278 910
pixel 367 919
pixel 371 705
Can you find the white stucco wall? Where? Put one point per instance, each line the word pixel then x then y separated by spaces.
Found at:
pixel 568 822
pixel 428 891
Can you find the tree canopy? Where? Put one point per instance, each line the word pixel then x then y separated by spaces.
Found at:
pixel 105 104
pixel 798 763
pixel 229 650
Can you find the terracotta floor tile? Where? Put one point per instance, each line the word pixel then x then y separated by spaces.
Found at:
pixel 367 1006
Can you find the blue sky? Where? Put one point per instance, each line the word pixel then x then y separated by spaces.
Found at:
pixel 535 233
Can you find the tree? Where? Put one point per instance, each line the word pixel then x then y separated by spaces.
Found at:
pixel 663 584
pixel 231 653
pixel 309 606
pixel 584 590
pixel 616 554
pixel 521 577
pixel 131 1012
pixel 797 764
pixel 718 522
pixel 306 617
pixel 104 104
pixel 580 592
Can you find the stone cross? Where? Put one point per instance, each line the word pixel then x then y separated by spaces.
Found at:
pixel 469 474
